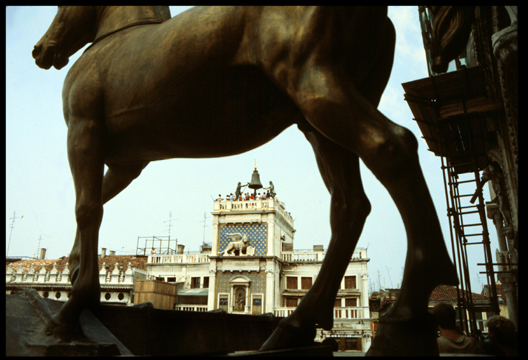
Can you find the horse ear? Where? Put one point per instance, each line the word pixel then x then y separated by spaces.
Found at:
pixel 164 11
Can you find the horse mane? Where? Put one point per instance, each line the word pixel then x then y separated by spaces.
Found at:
pixel 449 23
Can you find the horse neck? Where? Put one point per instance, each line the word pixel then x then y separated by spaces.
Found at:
pixel 114 18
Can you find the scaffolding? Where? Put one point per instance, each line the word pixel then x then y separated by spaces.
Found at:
pixel 160 244
pixel 452 112
pixel 462 115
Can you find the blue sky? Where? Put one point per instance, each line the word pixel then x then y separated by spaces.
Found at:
pixel 39 184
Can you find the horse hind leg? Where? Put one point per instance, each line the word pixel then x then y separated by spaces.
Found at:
pixel 349 210
pixel 334 107
pixel 116 179
pixel 344 116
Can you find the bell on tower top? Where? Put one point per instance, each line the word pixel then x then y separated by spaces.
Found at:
pixel 255 180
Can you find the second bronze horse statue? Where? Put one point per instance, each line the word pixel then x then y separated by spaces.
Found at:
pixel 152 88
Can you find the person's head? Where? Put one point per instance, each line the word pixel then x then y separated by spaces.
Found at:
pixel 500 330
pixel 445 315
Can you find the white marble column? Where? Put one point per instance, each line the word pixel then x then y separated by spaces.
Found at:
pixel 365 295
pixel 270 286
pixel 271 235
pixel 211 296
pixel 214 248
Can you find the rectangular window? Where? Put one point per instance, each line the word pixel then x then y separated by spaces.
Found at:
pixel 256 308
pixel 337 303
pixel 206 282
pixel 306 283
pixel 291 302
pixel 195 283
pixel 222 302
pixel 353 344
pixel 351 302
pixel 350 282
pixel 291 282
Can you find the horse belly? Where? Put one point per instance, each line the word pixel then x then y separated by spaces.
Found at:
pixel 220 111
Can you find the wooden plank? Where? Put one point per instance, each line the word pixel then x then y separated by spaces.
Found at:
pixel 162 295
pixel 478 105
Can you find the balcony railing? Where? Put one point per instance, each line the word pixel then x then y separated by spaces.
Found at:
pixel 352 312
pixel 303 256
pixel 178 259
pixel 309 256
pixel 252 205
pixel 200 308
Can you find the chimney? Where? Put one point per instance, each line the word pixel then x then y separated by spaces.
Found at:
pixel 42 254
pixel 103 252
pixel 112 252
pixel 180 249
pixel 318 248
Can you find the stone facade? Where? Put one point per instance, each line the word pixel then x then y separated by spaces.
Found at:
pixel 266 276
pixel 117 284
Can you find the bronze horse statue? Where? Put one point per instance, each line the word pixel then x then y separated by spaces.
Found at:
pixel 151 88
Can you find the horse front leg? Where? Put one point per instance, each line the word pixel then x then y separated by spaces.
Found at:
pixel 116 179
pixel 349 209
pixel 86 162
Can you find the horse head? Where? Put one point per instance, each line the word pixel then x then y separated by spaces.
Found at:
pixel 75 26
pixel 71 29
pixel 451 28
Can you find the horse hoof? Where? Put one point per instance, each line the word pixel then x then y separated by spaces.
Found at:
pixel 65 332
pixel 415 337
pixel 287 338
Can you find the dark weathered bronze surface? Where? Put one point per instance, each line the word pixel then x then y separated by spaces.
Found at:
pixel 451 28
pixel 26 317
pixel 148 90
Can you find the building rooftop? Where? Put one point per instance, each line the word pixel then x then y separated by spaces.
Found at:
pixel 449 293
pixel 138 262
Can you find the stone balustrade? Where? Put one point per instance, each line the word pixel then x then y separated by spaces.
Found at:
pixel 303 256
pixel 42 276
pixel 200 308
pixel 349 312
pixel 178 259
pixel 288 256
pixel 252 205
pixel 312 256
